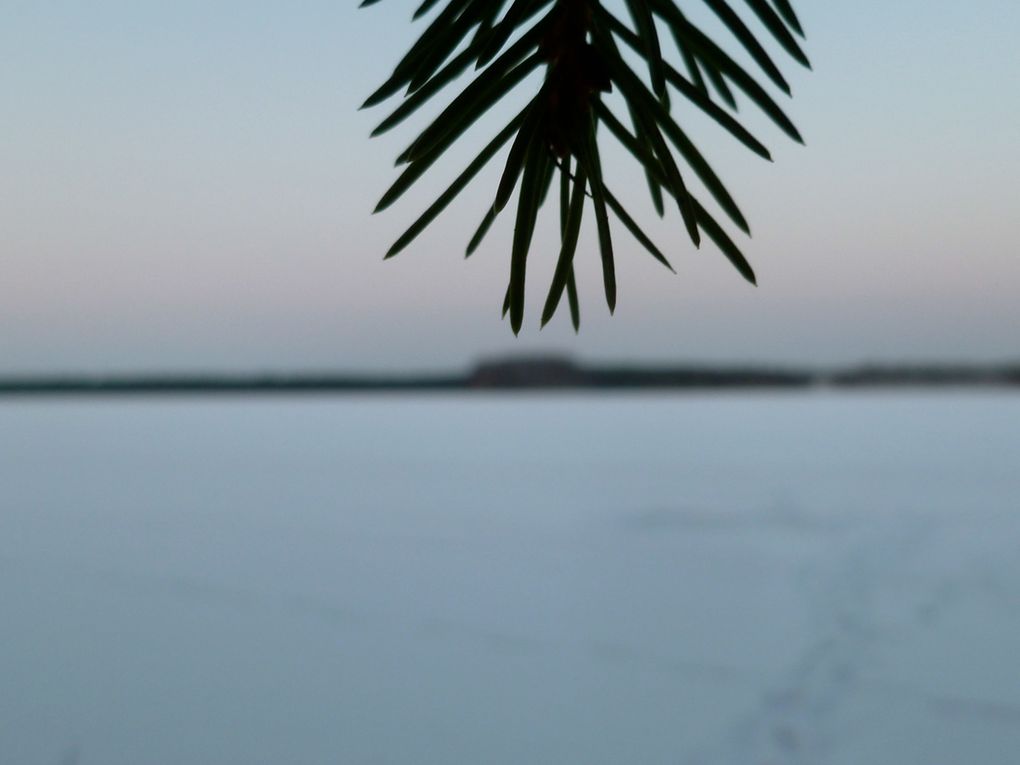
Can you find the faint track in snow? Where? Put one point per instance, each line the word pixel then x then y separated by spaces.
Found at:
pixel 792 722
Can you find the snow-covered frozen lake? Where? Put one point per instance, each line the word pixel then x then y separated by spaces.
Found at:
pixel 805 579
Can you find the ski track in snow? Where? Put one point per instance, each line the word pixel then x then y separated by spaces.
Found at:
pixel 802 717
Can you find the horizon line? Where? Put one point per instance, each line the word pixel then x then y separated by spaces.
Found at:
pixel 545 372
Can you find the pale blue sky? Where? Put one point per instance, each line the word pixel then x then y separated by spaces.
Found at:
pixel 189 185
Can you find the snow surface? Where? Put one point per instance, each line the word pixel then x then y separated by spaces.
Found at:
pixel 756 580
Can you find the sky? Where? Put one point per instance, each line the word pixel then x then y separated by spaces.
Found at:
pixel 189 186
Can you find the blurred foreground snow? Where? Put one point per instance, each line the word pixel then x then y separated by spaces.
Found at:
pixel 756 580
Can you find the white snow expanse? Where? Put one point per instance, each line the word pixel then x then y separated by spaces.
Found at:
pixel 748 580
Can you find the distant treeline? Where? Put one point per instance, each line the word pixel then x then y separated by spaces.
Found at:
pixel 531 373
